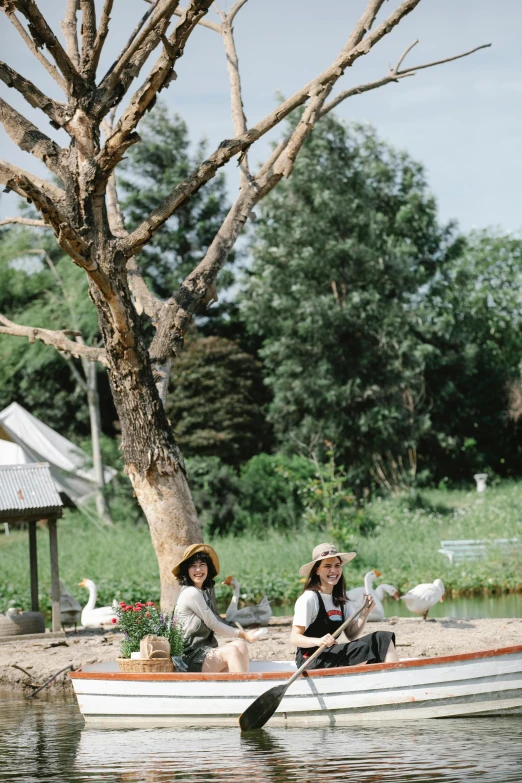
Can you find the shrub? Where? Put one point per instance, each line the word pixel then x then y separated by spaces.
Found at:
pixel 215 491
pixel 271 492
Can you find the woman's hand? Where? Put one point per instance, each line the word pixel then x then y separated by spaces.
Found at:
pixel 327 639
pixel 248 636
pixel 371 604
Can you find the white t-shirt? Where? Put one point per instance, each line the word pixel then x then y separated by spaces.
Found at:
pixel 307 608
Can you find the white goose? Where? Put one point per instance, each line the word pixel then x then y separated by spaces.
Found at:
pixel 420 599
pixel 377 613
pixel 92 617
pixel 248 615
pixel 356 594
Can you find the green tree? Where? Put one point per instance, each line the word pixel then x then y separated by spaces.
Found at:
pixel 216 401
pixel 470 317
pixel 35 375
pixel 340 251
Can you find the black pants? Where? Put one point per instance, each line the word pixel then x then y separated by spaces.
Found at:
pixel 371 648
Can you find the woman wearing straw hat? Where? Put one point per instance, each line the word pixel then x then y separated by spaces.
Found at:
pixel 323 605
pixel 197 614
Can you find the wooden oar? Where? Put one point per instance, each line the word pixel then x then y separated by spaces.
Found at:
pixel 262 709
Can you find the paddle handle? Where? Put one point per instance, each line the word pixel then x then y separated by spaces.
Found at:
pixel 323 647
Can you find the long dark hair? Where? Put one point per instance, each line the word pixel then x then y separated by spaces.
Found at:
pixel 184 578
pixel 314 583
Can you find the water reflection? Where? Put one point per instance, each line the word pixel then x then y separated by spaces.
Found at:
pixel 477 606
pixel 45 742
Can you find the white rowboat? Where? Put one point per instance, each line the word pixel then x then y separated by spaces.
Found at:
pixel 479 683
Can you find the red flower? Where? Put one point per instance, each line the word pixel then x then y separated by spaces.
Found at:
pixel 147 614
pixel 114 620
pixel 122 603
pixel 136 609
pixel 149 603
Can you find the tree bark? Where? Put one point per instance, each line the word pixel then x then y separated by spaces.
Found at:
pixel 173 522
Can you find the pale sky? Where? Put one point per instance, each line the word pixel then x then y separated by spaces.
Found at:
pixel 462 120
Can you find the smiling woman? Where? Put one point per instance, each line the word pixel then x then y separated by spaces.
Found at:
pixel 324 604
pixel 196 611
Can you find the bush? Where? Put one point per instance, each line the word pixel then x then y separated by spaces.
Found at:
pixel 215 491
pixel 271 492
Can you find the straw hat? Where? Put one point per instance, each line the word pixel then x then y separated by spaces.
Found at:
pixel 191 550
pixel 320 552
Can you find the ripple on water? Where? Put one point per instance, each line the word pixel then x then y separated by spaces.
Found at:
pixel 44 742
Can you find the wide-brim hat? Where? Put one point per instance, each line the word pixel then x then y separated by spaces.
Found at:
pixel 320 553
pixel 192 550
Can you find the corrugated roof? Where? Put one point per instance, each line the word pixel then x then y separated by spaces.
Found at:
pixel 27 488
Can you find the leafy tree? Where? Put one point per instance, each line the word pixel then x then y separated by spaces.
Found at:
pixel 340 251
pixel 35 375
pixel 470 317
pixel 216 401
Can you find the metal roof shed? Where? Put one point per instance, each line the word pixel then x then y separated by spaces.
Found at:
pixel 28 494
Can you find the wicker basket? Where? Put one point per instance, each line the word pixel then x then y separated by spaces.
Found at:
pixel 145 666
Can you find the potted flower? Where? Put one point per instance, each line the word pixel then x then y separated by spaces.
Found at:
pixel 143 619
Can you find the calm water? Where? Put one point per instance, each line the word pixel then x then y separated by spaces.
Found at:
pixel 44 742
pixel 492 606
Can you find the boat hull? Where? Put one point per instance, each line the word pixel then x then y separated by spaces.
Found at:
pixel 484 683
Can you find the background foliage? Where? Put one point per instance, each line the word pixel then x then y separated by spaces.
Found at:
pixel 363 358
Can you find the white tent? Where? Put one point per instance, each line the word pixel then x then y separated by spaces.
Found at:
pixel 24 438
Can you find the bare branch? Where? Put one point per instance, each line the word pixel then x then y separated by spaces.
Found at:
pixel 70 32
pixel 144 299
pixel 9 173
pixel 394 75
pixel 232 147
pixel 58 339
pixel 238 5
pixel 30 139
pixel 202 22
pixel 159 78
pixel 33 96
pixel 440 62
pixel 160 14
pixel 43 36
pixel 199 285
pixel 236 102
pixel 24 221
pixel 66 236
pixel 101 35
pixel 49 67
pixel 88 34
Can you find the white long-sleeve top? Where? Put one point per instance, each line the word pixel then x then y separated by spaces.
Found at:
pixel 192 611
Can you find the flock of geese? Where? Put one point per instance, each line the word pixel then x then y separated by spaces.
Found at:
pixel 419 600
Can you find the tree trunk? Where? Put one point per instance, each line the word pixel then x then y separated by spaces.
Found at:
pixel 93 402
pixel 167 504
pixel 153 460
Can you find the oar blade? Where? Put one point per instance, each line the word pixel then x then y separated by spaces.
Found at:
pixel 261 710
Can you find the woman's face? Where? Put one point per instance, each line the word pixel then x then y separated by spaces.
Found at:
pixel 198 572
pixel 329 572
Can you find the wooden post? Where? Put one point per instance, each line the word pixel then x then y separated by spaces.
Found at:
pixel 55 575
pixel 33 565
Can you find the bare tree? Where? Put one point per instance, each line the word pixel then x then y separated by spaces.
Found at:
pixel 84 213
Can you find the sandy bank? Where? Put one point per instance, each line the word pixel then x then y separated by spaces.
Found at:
pixel 42 658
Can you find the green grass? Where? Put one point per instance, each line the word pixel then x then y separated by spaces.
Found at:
pixel 406 535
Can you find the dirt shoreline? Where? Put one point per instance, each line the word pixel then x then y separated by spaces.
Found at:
pixel 41 658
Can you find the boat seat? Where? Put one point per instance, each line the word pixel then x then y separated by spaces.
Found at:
pixel 475 549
